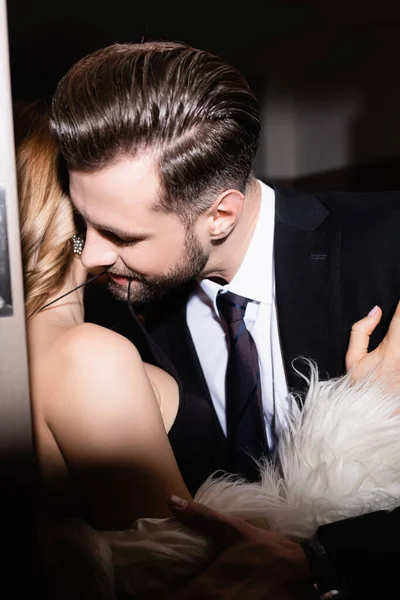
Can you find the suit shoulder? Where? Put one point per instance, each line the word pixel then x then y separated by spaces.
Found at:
pixel 360 199
pixel 353 210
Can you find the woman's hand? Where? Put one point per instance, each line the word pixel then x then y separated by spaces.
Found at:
pixel 385 359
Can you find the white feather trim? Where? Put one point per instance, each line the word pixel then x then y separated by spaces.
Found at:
pixel 339 458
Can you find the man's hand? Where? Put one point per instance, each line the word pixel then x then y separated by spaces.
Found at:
pixel 251 563
pixel 385 359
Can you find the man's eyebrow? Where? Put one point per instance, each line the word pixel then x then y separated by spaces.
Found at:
pixel 115 231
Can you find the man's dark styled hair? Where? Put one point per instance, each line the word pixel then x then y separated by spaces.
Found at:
pixel 195 114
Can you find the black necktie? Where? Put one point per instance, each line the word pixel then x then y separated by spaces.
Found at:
pixel 244 413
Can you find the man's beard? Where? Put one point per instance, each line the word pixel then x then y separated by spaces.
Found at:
pixel 145 289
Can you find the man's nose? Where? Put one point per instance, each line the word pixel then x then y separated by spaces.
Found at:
pixel 98 251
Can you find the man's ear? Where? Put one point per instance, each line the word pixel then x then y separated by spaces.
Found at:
pixel 224 213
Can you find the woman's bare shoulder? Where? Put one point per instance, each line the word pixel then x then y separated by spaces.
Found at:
pixel 88 342
pixel 103 413
pixel 87 357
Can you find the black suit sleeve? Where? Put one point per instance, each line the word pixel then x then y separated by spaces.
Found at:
pixel 366 552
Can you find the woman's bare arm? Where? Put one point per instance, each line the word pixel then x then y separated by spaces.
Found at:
pixel 107 422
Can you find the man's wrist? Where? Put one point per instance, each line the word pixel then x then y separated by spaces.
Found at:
pixel 328 584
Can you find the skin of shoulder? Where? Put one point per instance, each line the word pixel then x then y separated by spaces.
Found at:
pixel 107 422
pixel 91 345
pixel 106 349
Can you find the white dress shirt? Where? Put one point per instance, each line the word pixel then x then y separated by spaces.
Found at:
pixel 255 280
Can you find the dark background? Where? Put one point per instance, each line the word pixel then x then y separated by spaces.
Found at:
pixel 316 59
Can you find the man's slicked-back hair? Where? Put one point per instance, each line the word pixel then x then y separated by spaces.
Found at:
pixel 185 107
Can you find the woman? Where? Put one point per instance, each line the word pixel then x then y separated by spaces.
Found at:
pixel 101 416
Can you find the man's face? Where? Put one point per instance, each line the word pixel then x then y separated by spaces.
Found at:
pixel 148 251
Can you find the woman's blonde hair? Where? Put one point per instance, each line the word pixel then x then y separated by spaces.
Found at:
pixel 46 214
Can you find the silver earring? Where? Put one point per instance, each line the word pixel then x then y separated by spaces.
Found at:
pixel 77 244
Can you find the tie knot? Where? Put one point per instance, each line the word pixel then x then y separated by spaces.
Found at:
pixel 232 307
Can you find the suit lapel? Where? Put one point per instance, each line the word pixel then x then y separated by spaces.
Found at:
pixel 307 272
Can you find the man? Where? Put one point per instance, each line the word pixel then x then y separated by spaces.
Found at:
pixel 234 279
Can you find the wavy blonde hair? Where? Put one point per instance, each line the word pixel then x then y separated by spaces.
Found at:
pixel 46 214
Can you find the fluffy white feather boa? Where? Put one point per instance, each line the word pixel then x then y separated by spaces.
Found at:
pixel 339 458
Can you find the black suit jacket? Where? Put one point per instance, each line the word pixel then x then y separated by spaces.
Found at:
pixel 336 256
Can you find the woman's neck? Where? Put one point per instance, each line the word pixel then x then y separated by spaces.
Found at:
pixel 68 311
